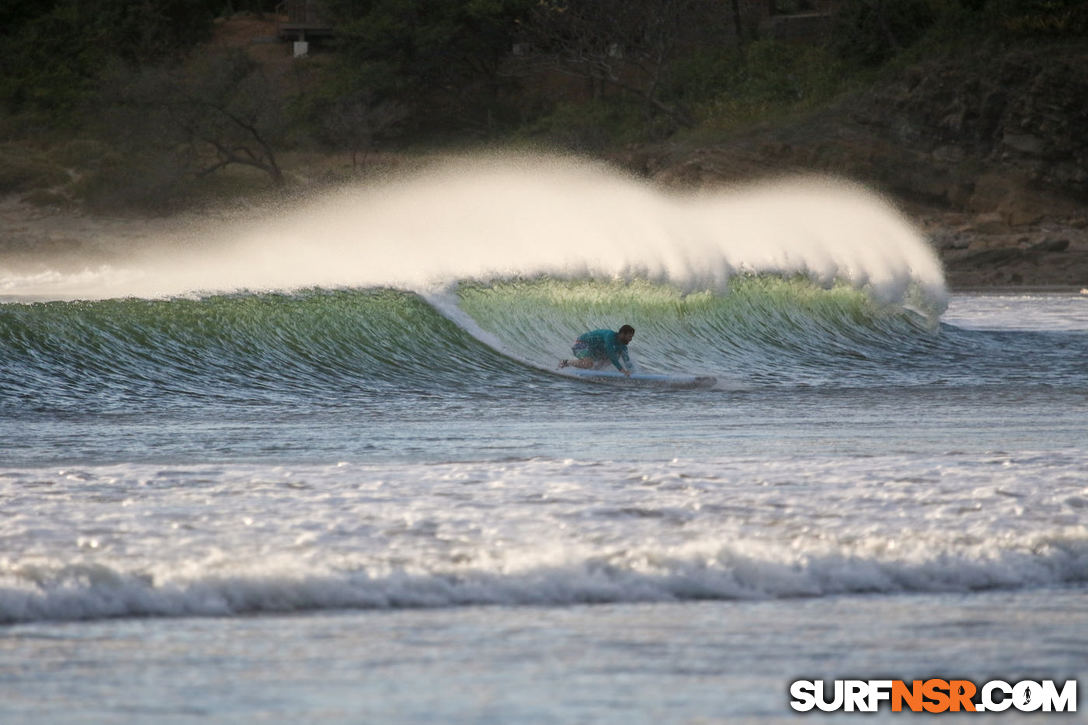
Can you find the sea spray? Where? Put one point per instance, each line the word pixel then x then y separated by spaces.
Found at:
pixel 498 217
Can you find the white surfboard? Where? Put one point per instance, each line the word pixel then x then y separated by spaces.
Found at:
pixel 653 379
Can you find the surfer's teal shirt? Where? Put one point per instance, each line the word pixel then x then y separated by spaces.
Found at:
pixel 601 345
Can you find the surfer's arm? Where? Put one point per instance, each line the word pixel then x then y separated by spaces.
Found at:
pixel 613 354
pixel 616 350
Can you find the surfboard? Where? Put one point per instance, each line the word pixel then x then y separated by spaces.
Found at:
pixel 652 379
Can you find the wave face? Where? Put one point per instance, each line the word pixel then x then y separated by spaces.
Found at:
pixel 308 349
pixel 234 350
pixel 788 331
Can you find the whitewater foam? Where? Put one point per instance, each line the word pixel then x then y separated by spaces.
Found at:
pixel 225 540
pixel 503 217
pixel 704 570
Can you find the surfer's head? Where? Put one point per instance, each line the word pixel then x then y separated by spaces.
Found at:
pixel 625 334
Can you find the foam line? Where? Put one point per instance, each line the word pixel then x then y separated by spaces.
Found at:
pixel 718 572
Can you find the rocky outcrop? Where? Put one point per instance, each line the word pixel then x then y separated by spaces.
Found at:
pixel 1004 133
pixel 982 250
pixel 988 152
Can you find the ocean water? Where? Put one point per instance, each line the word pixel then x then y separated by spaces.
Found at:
pixel 322 467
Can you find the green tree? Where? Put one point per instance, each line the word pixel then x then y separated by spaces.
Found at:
pixel 1041 17
pixel 870 32
pixel 439 59
pixel 53 52
pixel 628 45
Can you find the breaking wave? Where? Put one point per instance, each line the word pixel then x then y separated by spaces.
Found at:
pixel 710 570
pixel 499 218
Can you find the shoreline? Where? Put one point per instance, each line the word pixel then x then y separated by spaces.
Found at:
pixel 1025 290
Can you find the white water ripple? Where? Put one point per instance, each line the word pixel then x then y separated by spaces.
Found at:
pixel 128 540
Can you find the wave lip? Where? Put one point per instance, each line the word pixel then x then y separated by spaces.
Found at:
pixel 90 591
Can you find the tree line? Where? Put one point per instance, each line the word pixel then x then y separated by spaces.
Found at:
pixel 138 76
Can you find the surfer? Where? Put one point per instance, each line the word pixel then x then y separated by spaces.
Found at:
pixel 595 348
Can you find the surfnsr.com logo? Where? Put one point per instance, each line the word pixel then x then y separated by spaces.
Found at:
pixel 933 696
